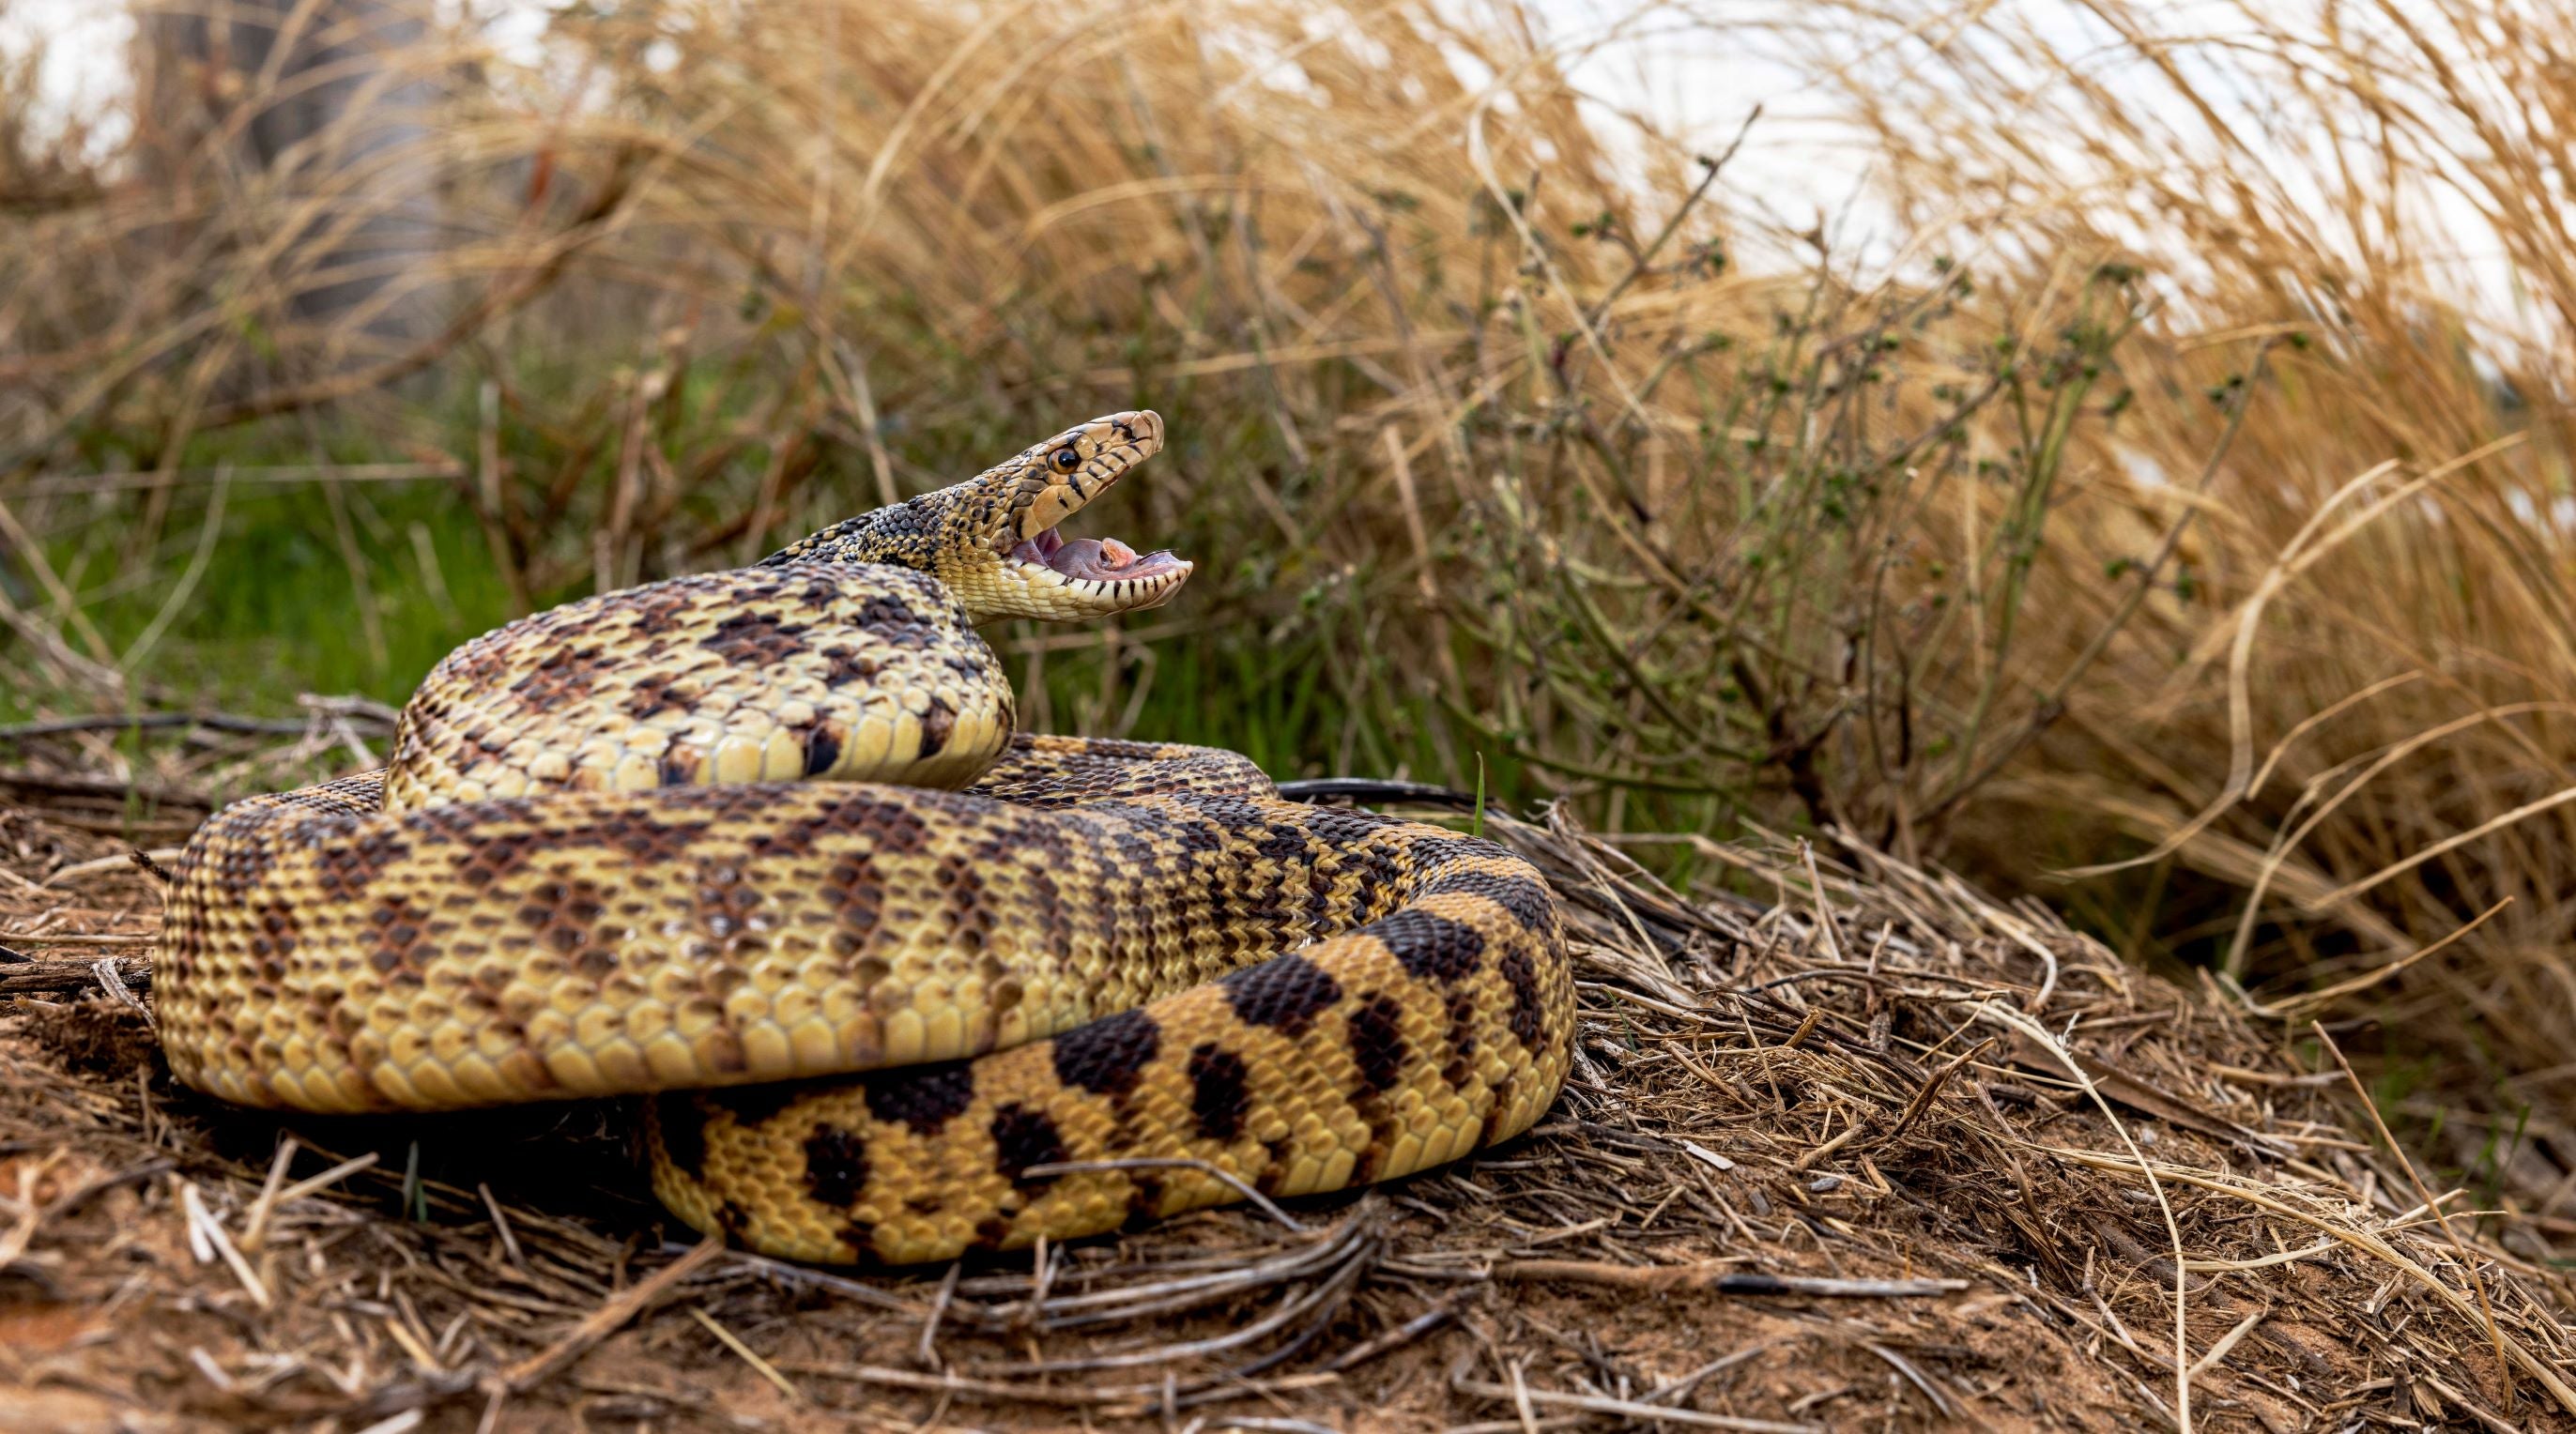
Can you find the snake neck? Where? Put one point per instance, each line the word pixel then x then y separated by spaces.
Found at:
pixel 945 534
pixel 935 533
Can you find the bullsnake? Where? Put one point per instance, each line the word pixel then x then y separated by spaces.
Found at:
pixel 763 846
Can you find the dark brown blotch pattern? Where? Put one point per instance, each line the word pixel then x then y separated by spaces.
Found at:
pixel 1283 993
pixel 562 915
pixel 896 622
pixel 1144 1201
pixel 1108 1056
pixel 1528 901
pixel 653 693
pixel 1377 1042
pixel 1528 1016
pixel 1024 1137
pixel 1463 1017
pixel 938 723
pixel 924 1097
pixel 395 932
pixel 822 749
pixel 843 666
pixel 836 1165
pixel 756 638
pixel 1431 948
pixel 1220 1092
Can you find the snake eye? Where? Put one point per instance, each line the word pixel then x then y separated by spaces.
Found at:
pixel 1065 460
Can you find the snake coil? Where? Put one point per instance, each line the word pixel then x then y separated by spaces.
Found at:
pixel 763 845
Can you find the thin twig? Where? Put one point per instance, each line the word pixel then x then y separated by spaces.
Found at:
pixel 615 1311
pixel 759 1366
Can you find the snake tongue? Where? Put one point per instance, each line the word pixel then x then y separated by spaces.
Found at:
pixel 1107 559
pixel 1090 557
pixel 1097 559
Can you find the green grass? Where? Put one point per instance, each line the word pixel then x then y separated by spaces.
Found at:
pixel 361 592
pixel 279 608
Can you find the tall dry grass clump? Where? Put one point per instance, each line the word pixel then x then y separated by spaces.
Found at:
pixel 2356 739
pixel 2149 501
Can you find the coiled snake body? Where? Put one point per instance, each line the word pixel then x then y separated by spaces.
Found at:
pixel 698 839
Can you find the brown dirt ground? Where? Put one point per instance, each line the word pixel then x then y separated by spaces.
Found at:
pixel 1761 1095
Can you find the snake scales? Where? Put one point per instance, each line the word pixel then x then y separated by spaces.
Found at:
pixel 706 839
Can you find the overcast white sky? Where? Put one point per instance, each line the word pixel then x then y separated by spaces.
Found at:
pixel 1689 67
pixel 1674 74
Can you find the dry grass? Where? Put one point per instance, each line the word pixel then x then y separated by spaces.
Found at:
pixel 2160 502
pixel 1823 1163
pixel 2357 737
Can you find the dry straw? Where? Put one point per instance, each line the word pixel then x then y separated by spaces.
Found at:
pixel 1827 1160
pixel 2156 505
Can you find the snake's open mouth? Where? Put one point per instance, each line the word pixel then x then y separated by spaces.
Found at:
pixel 1062 577
pixel 1105 561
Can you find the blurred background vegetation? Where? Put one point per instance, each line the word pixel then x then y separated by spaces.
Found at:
pixel 2155 500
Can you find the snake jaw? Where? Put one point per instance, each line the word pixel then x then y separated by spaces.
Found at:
pixel 1099 577
pixel 1057 577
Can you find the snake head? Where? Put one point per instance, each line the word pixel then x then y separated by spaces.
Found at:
pixel 994 539
pixel 1043 573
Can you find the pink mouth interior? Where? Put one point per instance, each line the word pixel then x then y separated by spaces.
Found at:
pixel 1098 559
